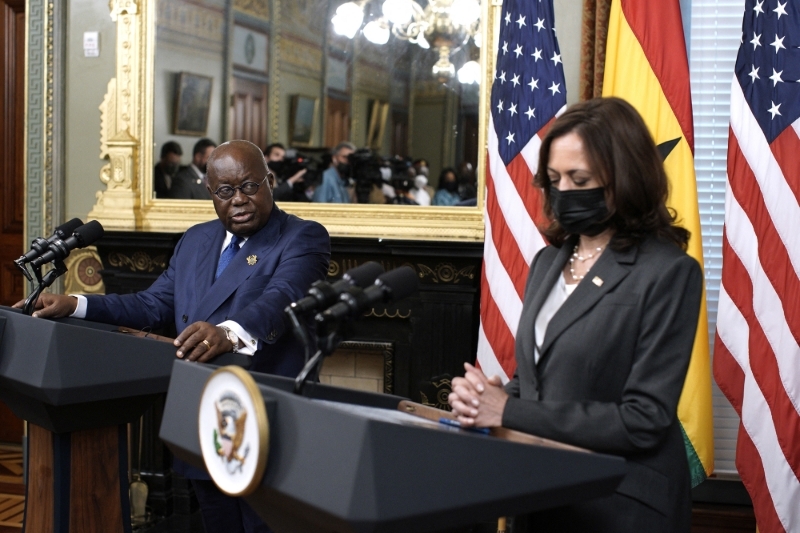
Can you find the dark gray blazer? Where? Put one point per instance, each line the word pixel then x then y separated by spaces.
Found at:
pixel 613 363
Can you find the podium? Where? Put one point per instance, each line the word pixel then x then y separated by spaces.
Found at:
pixel 78 383
pixel 339 461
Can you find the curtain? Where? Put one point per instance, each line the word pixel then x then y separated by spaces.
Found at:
pixel 593 47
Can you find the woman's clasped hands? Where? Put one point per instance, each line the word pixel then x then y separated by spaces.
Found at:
pixel 476 400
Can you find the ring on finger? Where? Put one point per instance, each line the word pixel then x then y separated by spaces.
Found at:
pixel 208 344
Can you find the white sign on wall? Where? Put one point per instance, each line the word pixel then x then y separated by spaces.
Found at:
pixel 249 49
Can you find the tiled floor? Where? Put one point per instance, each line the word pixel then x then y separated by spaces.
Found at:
pixel 12 499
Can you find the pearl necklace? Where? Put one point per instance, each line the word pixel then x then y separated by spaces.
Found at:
pixel 582 259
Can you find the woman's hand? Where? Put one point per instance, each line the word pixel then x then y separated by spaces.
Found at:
pixel 478 401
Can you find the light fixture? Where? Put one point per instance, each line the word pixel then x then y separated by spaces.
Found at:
pixel 470 73
pixel 444 25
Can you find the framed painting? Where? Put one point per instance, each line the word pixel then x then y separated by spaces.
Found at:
pixel 192 104
pixel 302 120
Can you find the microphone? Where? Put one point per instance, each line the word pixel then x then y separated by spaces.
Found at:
pixel 60 248
pixel 394 285
pixel 323 294
pixel 40 246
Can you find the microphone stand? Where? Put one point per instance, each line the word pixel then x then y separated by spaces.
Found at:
pixel 327 340
pixel 59 269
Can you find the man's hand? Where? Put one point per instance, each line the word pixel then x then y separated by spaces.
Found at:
pixel 298 176
pixel 52 305
pixel 202 341
pixel 478 401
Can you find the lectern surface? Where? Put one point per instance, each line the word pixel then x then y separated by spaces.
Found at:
pixel 70 374
pixel 346 468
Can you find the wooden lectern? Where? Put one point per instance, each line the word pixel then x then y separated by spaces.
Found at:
pixel 78 383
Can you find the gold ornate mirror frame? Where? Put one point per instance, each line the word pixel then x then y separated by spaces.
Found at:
pixel 126 136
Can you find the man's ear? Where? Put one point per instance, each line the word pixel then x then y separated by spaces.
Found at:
pixel 271 181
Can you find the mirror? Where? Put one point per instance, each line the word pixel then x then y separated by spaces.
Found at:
pixel 256 69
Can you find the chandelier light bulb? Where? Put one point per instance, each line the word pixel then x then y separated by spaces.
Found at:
pixel 465 12
pixel 376 32
pixel 477 39
pixel 398 11
pixel 470 73
pixel 421 41
pixel 348 19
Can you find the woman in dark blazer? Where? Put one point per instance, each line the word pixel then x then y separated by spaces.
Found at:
pixel 608 323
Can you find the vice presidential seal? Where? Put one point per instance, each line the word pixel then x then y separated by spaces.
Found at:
pixel 233 431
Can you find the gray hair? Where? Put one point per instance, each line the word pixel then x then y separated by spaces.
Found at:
pixel 342 145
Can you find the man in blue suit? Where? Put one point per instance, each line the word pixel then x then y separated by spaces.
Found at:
pixel 225 288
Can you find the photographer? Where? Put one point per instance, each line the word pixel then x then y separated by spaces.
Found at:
pixel 334 188
pixel 285 190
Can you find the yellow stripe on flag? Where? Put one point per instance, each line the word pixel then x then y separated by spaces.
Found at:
pixel 629 75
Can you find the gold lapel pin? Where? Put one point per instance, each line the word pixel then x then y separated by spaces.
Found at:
pixel 252 260
pixel 597 281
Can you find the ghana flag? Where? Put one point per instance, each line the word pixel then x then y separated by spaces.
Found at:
pixel 647 65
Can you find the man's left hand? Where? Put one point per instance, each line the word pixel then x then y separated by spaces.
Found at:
pixel 201 342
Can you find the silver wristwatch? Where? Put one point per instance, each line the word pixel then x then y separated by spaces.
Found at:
pixel 233 337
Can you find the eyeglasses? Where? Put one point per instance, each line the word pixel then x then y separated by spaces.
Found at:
pixel 250 188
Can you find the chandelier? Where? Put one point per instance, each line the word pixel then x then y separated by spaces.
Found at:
pixel 444 25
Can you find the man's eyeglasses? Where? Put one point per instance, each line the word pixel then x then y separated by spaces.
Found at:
pixel 250 188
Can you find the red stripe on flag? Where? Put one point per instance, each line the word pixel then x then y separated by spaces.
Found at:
pixel 751 469
pixel 522 177
pixel 771 251
pixel 763 363
pixel 504 241
pixel 497 332
pixel 728 374
pixel 655 24
pixel 786 148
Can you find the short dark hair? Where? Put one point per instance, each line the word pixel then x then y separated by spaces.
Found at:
pixel 201 145
pixel 269 148
pixel 445 171
pixel 171 147
pixel 624 156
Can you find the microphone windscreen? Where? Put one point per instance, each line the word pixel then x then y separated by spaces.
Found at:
pixel 364 275
pixel 68 228
pixel 402 282
pixel 89 232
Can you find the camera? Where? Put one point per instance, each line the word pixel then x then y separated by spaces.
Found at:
pixel 293 163
pixel 365 171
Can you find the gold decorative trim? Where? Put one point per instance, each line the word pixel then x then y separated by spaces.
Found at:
pixel 385 314
pixel 138 262
pixel 443 389
pixel 83 274
pixel 446 273
pixel 255 8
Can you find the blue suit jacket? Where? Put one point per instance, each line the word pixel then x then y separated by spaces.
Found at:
pixel 290 255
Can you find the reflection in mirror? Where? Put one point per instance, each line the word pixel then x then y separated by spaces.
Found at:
pixel 397 78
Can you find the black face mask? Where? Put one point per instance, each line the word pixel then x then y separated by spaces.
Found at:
pixel 343 169
pixel 171 168
pixel 450 186
pixel 580 212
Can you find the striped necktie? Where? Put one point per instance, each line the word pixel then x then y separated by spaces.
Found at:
pixel 227 255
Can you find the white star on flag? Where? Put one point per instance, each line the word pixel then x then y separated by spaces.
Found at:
pixel 518 50
pixel 537 54
pixel 775 110
pixel 754 74
pixel 513 109
pixel 554 88
pixel 556 59
pixel 780 9
pixel 776 77
pixel 515 80
pixel 530 112
pixel 778 43
pixel 521 21
pixel 539 24
pixel 534 84
pixel 756 42
pixel 510 137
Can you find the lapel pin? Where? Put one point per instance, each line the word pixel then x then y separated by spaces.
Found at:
pixel 252 260
pixel 597 281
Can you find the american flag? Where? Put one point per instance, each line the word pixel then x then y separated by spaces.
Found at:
pixel 528 92
pixel 757 347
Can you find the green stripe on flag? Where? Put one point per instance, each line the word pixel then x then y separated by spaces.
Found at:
pixel 696 470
